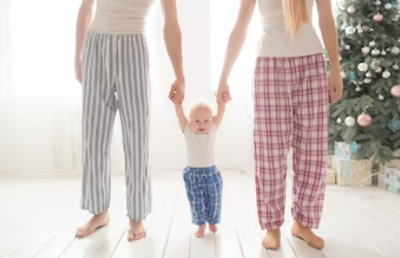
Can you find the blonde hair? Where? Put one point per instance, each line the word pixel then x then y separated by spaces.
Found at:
pixel 199 104
pixel 295 14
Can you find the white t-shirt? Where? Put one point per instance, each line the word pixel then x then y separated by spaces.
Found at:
pixel 200 148
pixel 120 16
pixel 276 41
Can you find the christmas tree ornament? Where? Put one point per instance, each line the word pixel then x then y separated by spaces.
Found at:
pixel 386 74
pixel 350 121
pixel 347 47
pixel 372 44
pixel 365 50
pixel 340 58
pixel 395 50
pixel 378 17
pixel 350 30
pixel 398 40
pixel 365 28
pixel 343 74
pixel 395 91
pixel 352 9
pixel 394 124
pixel 368 75
pixel 395 67
pixel 381 97
pixel 339 120
pixel 352 76
pixel 388 6
pixel 378 69
pixel 363 67
pixel 376 52
pixel 358 89
pixel 378 2
pixel 364 120
pixel 367 80
pixel 383 53
pixel 394 5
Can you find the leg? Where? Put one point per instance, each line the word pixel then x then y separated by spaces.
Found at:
pixel 310 147
pixel 99 110
pixel 133 88
pixel 195 197
pixel 272 136
pixel 214 197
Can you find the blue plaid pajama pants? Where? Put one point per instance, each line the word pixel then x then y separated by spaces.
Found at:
pixel 204 191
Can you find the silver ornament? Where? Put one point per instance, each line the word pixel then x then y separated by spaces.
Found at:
pixel 367 80
pixel 378 2
pixel 381 97
pixel 363 67
pixel 368 74
pixel 395 67
pixel 383 53
pixel 358 88
pixel 386 74
pixel 343 74
pixel 339 120
pixel 347 47
pixel 350 121
pixel 376 52
pixel 395 50
pixel 388 6
pixel 372 43
pixel 350 30
pixel 365 50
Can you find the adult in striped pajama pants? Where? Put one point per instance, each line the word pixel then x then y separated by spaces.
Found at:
pixel 112 63
pixel 290 110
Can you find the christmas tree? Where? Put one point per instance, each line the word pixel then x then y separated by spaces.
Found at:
pixel 369 112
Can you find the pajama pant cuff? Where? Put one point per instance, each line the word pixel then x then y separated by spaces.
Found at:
pixel 274 225
pixel 199 223
pixel 306 223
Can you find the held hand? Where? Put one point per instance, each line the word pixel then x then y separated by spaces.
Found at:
pixel 335 86
pixel 177 92
pixel 223 95
pixel 78 70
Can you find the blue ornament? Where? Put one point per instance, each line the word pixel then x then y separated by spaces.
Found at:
pixel 394 5
pixel 353 147
pixel 394 124
pixel 352 77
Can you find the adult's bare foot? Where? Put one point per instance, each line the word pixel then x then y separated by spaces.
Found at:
pixel 96 222
pixel 307 235
pixel 272 239
pixel 200 231
pixel 136 230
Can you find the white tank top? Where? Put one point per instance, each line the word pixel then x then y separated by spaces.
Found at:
pixel 120 16
pixel 200 148
pixel 276 41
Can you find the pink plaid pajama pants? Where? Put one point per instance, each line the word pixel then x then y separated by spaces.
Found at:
pixel 291 110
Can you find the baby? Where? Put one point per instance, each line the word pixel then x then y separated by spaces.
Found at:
pixel 203 180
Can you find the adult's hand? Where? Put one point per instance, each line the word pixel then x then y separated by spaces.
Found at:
pixel 177 92
pixel 223 94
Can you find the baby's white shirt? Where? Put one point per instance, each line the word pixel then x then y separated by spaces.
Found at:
pixel 200 148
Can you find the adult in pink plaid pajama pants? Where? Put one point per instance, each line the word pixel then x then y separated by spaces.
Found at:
pixel 291 109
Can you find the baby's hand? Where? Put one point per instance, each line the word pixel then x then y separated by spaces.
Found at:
pixel 222 100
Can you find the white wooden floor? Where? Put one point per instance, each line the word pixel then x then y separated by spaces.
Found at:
pixel 38 218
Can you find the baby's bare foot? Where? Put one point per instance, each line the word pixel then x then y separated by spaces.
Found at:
pixel 200 231
pixel 272 239
pixel 97 221
pixel 307 235
pixel 213 228
pixel 136 230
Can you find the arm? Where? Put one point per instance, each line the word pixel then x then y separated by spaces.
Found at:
pixel 220 114
pixel 172 36
pixel 83 23
pixel 329 34
pixel 237 37
pixel 181 117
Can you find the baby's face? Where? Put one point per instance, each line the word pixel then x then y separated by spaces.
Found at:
pixel 200 121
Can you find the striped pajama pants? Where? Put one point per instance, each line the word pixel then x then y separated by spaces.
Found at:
pixel 291 110
pixel 115 73
pixel 204 192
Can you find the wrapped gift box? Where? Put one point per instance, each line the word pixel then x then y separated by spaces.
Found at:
pixel 353 173
pixel 345 151
pixel 330 178
pixel 391 180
